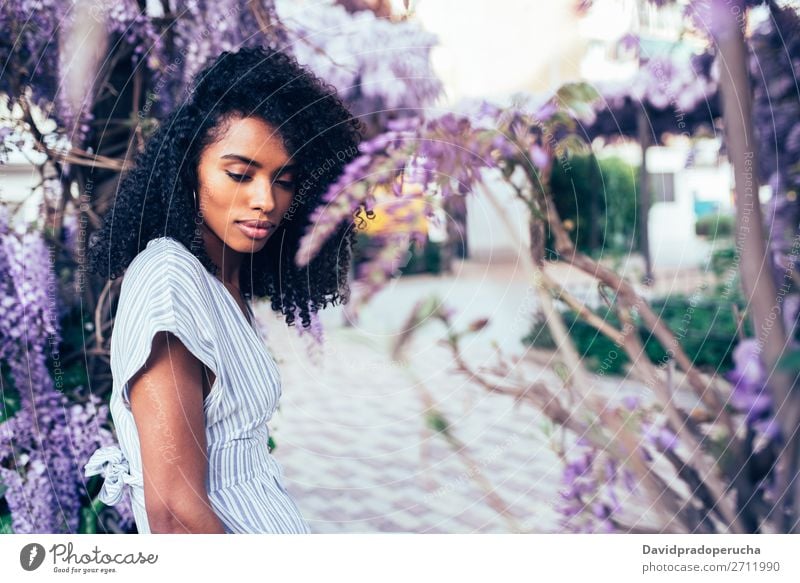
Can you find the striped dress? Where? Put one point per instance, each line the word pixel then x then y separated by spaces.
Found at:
pixel 167 288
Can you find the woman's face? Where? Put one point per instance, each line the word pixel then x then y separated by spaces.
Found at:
pixel 246 184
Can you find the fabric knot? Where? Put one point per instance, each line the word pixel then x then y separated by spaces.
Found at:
pixel 112 464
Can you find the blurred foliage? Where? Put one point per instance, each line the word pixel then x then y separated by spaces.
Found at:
pixel 5 524
pixel 9 398
pixel 600 194
pixel 427 258
pixel 723 261
pixel 75 325
pixel 706 327
pixel 715 226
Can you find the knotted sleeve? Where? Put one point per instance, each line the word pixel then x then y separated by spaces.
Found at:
pixel 112 464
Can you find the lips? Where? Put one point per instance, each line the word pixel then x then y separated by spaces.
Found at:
pixel 255 229
pixel 257 224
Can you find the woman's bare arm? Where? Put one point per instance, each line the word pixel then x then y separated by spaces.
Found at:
pixel 166 398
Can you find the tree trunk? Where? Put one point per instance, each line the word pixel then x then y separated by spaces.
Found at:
pixel 755 263
pixel 645 139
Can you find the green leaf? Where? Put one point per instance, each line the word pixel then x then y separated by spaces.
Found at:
pixel 578 98
pixel 790 362
pixel 437 422
pixel 88 524
pixel 427 308
pixel 5 524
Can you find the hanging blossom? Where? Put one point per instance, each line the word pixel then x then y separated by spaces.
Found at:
pixel 28 278
pixel 11 314
pixel 373 179
pixel 136 28
pixel 389 250
pixel 32 58
pixel 592 479
pixel 29 52
pixel 40 451
pixel 590 498
pixel 202 30
pixel 31 270
pixel 443 150
pixel 199 31
pixel 43 445
pixel 31 498
pixel 750 395
pixel 774 64
pixel 374 63
pixel 666 82
pixel 441 157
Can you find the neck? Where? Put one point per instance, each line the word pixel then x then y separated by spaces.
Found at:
pixel 226 259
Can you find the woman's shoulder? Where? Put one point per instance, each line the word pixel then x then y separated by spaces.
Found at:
pixel 166 262
pixel 162 255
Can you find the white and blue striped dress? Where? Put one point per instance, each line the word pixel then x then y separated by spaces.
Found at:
pixel 167 288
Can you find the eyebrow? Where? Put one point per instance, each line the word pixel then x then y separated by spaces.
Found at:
pixel 285 168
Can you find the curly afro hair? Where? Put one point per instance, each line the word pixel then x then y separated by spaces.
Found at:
pixel 155 198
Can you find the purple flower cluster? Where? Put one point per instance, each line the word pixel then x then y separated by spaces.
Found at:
pixel 594 478
pixel 774 65
pixel 30 268
pixel 750 395
pixel 199 29
pixel 665 82
pixel 660 437
pixel 435 154
pixel 375 64
pixel 42 446
pixel 439 158
pixel 29 51
pixel 136 28
pixel 590 498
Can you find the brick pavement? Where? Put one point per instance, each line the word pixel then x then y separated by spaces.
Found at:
pixel 351 430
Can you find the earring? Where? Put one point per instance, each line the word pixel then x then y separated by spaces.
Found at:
pixel 194 194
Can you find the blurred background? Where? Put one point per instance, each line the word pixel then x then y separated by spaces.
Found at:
pixel 558 322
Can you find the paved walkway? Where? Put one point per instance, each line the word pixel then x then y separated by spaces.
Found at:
pixel 351 430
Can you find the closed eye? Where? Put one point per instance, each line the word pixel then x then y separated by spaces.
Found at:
pixel 239 177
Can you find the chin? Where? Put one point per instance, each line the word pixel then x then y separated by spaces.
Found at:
pixel 245 245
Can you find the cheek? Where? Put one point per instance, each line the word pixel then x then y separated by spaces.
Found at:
pixel 218 198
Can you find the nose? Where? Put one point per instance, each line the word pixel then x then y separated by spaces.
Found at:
pixel 262 198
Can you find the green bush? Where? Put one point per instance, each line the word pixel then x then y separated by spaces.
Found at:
pixel 425 258
pixel 704 326
pixel 722 261
pixel 598 197
pixel 715 226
